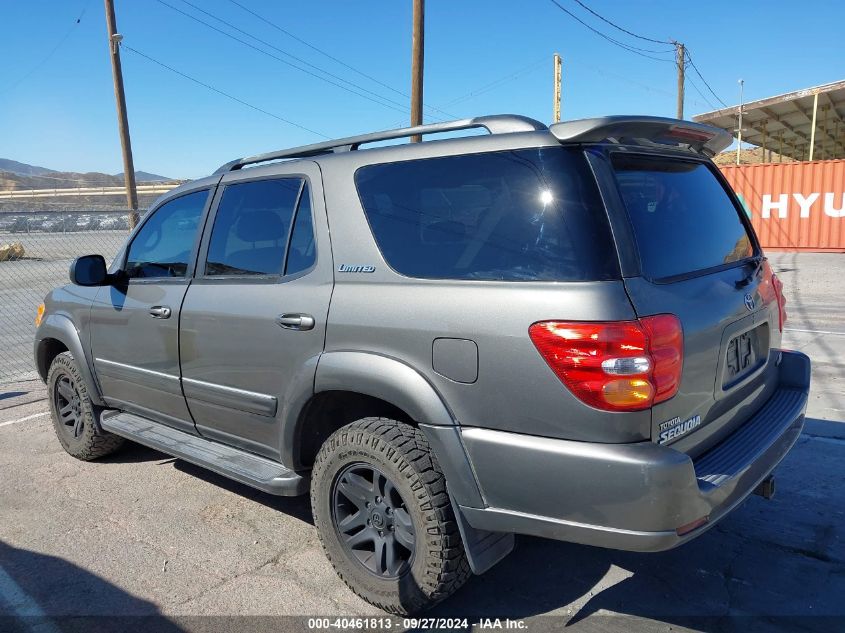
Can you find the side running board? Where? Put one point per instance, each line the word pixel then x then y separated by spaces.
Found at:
pixel 249 469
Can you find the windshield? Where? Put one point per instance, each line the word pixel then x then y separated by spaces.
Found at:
pixel 683 219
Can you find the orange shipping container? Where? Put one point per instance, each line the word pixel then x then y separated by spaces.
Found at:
pixel 794 206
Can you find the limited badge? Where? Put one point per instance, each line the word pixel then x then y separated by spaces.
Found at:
pixel 350 268
pixel 674 428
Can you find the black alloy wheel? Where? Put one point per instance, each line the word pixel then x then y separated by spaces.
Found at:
pixel 68 402
pixel 373 521
pixel 75 418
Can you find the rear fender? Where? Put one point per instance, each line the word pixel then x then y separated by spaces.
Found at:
pixel 386 378
pixel 402 386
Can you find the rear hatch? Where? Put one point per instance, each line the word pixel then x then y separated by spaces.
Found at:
pixel 696 257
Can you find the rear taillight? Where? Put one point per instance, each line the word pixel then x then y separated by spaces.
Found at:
pixel 777 284
pixel 615 366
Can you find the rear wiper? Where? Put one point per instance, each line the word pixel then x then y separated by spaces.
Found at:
pixel 750 277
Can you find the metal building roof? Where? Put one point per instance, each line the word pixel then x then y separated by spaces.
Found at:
pixel 784 123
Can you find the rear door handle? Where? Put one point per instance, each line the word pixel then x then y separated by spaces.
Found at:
pixel 291 321
pixel 160 312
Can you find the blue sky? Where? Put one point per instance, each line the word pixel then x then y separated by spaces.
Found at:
pixel 60 114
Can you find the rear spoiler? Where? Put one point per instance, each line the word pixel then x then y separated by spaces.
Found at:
pixel 644 130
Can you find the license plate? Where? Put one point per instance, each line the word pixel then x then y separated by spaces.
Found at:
pixel 742 355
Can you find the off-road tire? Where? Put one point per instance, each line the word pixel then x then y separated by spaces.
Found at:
pixel 401 452
pixel 92 442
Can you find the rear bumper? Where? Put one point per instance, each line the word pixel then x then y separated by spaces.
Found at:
pixel 630 496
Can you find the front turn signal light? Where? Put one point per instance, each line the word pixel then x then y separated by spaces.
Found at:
pixel 39 314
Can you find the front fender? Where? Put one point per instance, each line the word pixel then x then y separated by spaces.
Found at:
pixel 59 327
pixel 386 378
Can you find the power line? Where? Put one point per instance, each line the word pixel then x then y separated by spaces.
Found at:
pixel 491 86
pixel 51 53
pixel 377 97
pixel 291 55
pixel 616 26
pixel 695 68
pixel 332 57
pixel 495 84
pixel 385 101
pixel 642 52
pixel 698 90
pixel 648 39
pixel 221 92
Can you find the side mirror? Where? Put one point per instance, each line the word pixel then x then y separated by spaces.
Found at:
pixel 89 270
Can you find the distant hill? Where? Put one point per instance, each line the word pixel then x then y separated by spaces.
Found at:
pixel 16 175
pixel 22 169
pixel 749 157
pixel 145 176
pixel 57 180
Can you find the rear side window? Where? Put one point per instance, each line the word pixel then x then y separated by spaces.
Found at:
pixel 251 227
pixel 526 215
pixel 684 221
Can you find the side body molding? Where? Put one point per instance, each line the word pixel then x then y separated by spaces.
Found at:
pixel 386 378
pixel 59 327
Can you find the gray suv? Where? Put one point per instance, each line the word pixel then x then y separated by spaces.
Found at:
pixel 566 331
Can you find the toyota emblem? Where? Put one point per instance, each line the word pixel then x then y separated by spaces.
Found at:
pixel 749 302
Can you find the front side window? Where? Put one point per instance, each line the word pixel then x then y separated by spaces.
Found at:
pixel 162 247
pixel 525 215
pixel 251 227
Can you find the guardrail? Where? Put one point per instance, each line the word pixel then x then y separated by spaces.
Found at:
pixel 9 194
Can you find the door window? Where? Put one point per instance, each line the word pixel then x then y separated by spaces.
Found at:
pixel 162 247
pixel 302 252
pixel 251 227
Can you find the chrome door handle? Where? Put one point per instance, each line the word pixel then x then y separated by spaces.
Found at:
pixel 291 321
pixel 160 312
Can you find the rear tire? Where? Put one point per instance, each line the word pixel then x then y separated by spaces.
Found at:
pixel 75 418
pixel 395 480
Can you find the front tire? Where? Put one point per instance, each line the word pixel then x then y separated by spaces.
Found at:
pixel 75 418
pixel 384 517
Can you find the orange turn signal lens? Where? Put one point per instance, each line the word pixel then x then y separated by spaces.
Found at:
pixel 39 314
pixel 628 392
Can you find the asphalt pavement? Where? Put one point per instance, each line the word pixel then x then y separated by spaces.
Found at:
pixel 142 534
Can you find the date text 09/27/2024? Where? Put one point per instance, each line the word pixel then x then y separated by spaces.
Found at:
pixel 388 623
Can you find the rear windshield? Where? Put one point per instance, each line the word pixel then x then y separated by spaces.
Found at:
pixel 683 219
pixel 526 215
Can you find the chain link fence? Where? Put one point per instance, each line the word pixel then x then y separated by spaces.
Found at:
pixel 38 242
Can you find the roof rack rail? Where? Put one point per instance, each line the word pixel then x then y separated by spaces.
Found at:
pixel 495 124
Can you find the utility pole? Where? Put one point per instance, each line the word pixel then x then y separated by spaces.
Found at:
pixel 122 121
pixel 558 72
pixel 417 59
pixel 739 126
pixel 681 63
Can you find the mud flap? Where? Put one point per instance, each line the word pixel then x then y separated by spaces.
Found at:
pixel 484 549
